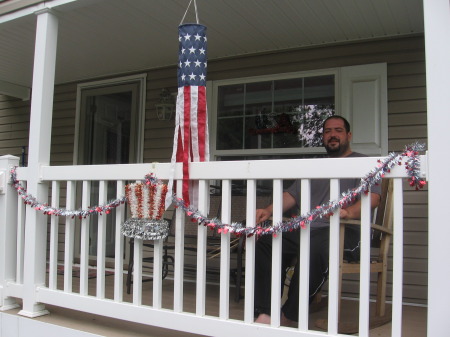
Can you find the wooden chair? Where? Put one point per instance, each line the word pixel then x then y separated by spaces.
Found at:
pixel 381 238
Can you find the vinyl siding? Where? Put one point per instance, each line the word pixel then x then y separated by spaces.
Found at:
pixel 405 58
pixel 14 125
pixel 63 124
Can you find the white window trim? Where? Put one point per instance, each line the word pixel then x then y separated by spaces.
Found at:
pixel 376 74
pixel 142 79
pixel 214 85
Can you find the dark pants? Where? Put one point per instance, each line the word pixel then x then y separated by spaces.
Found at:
pixel 318 270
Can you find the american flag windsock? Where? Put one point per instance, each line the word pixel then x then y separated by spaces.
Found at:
pixel 191 139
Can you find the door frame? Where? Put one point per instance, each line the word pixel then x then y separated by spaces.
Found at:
pixel 141 80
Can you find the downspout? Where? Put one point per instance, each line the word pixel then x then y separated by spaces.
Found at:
pixel 38 156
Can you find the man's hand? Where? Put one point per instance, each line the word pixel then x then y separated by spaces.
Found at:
pixel 354 211
pixel 344 214
pixel 263 214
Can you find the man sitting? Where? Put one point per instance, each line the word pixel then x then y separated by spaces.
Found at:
pixel 336 139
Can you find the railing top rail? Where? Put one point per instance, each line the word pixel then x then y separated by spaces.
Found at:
pixel 246 169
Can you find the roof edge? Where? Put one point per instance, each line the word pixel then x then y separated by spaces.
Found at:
pixel 15 5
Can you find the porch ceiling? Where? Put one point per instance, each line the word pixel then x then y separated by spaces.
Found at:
pixel 99 37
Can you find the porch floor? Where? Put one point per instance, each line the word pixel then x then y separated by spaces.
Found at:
pixel 414 317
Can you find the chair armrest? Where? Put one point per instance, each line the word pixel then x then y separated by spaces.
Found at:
pixel 373 226
pixel 382 229
pixel 349 222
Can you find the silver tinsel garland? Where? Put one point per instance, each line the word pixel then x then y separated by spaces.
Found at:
pixel 145 229
pixel 46 209
pixel 412 165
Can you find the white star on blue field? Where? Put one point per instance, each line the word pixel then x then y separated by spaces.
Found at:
pixel 192 55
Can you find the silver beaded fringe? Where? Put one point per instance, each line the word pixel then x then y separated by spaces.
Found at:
pixel 145 229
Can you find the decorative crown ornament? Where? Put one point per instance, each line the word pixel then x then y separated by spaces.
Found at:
pixel 147 206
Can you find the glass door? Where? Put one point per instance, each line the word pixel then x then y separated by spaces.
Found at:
pixel 108 134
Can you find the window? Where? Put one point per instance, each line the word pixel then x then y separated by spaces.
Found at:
pixel 266 114
pixel 279 116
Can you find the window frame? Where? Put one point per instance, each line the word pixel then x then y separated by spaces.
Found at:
pixel 213 87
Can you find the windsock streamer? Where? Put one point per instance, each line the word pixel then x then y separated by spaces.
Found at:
pixel 191 138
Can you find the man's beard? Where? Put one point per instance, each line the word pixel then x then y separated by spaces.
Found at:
pixel 338 150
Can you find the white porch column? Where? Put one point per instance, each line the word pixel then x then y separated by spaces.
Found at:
pixel 39 155
pixel 437 50
pixel 8 231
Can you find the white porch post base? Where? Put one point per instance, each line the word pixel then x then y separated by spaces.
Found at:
pixel 38 310
pixel 8 303
pixel 8 231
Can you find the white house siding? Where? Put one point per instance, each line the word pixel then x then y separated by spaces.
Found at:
pixel 14 125
pixel 407 123
pixel 405 58
pixel 63 125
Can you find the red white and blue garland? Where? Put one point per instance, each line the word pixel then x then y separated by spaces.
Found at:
pixel 30 200
pixel 384 166
pixel 412 166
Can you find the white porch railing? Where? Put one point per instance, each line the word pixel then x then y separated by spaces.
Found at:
pixel 36 291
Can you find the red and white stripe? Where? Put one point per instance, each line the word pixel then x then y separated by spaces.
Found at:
pixel 191 140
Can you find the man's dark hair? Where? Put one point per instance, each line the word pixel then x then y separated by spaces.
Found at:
pixel 346 123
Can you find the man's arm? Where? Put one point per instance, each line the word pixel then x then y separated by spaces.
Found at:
pixel 354 211
pixel 351 212
pixel 262 214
